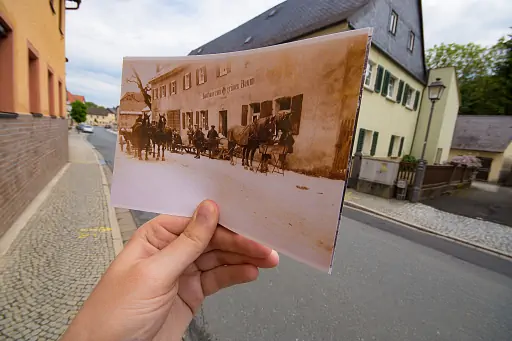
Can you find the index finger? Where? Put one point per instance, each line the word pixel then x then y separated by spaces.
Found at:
pixel 226 240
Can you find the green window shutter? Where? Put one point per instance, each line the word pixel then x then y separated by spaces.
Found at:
pixel 416 100
pixel 404 99
pixel 401 147
pixel 385 83
pixel 391 142
pixel 378 79
pixel 374 143
pixel 400 91
pixel 360 141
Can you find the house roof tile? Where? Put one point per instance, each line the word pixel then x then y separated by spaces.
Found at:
pixel 483 133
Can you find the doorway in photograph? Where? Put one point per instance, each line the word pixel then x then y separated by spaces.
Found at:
pixel 342 149
pixel 223 122
pixel 173 119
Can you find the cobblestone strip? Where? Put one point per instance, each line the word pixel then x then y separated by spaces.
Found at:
pixel 56 260
pixel 476 232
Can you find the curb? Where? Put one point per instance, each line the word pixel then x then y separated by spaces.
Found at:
pixel 430 231
pixel 117 239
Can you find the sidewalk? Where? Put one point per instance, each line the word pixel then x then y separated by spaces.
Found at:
pixel 482 234
pixel 60 254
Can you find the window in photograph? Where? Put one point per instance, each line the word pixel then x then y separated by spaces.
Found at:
pixel 255 111
pixel 283 104
pixel 223 69
pixel 187 81
pixel 369 74
pixel 410 45
pixel 393 22
pixel 190 119
pixel 391 87
pixel 173 88
pixel 164 88
pixel 204 119
pixel 201 75
pixel 409 97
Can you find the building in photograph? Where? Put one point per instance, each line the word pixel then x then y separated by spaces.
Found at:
pixel 394 106
pixel 131 107
pixel 32 101
pixel 241 89
pixel 489 138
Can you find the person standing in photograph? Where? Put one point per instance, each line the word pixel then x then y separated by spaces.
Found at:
pixel 198 141
pixel 212 140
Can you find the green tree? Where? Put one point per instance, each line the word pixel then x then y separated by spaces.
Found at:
pixel 504 73
pixel 78 112
pixel 480 83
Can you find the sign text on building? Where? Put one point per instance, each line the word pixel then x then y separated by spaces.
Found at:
pixel 227 89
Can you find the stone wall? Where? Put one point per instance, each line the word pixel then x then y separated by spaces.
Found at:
pixel 32 150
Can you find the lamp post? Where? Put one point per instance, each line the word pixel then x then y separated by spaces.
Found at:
pixel 435 91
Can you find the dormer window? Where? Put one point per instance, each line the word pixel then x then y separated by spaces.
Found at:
pixel 393 22
pixel 410 43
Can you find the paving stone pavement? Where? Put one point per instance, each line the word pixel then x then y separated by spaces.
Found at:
pixel 476 232
pixel 59 256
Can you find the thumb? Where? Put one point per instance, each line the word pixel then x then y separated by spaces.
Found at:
pixel 178 255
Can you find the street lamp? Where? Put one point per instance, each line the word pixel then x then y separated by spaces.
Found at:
pixel 435 91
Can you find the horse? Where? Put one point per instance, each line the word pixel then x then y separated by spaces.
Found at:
pixel 251 136
pixel 159 136
pixel 140 136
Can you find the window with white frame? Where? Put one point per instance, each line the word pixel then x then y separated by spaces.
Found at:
pixel 202 75
pixel 173 88
pixel 410 44
pixel 187 80
pixel 392 87
pixel 393 22
pixel 367 142
pixel 409 98
pixel 396 145
pixel 368 74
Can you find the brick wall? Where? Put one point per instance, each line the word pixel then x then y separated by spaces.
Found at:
pixel 32 151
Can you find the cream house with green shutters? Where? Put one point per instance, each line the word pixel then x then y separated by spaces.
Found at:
pixel 394 109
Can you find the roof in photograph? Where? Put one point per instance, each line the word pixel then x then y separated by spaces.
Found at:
pixel 483 133
pixel 132 101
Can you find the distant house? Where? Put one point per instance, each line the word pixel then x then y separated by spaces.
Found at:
pixel 131 106
pixel 70 98
pixel 490 139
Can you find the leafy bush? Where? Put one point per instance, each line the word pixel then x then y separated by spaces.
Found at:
pixel 409 159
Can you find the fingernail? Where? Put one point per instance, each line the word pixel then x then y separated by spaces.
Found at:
pixel 205 213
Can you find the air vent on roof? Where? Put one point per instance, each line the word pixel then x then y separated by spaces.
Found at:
pixel 272 12
pixel 199 50
pixel 248 40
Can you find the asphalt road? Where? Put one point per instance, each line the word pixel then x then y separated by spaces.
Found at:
pixel 388 283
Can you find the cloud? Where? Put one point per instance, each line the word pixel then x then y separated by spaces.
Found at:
pixel 101 33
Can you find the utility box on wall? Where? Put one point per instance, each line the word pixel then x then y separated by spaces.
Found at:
pixel 378 176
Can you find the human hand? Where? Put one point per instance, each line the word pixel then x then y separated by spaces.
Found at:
pixel 157 283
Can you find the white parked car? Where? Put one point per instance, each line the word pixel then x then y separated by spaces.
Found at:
pixel 87 129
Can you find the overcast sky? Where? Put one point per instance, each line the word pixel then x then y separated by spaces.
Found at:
pixel 102 32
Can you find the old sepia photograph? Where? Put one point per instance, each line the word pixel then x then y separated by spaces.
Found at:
pixel 266 133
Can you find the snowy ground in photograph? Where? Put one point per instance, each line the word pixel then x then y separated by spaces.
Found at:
pixel 294 214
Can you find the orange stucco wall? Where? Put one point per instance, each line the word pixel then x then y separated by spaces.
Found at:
pixel 35 25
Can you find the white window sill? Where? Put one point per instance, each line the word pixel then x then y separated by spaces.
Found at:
pixel 389 98
pixel 368 87
pixel 409 107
